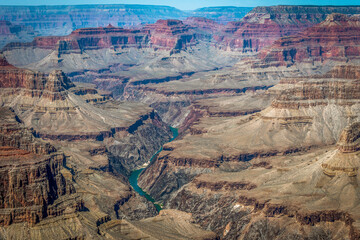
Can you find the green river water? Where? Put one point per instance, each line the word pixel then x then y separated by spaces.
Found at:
pixel 135 174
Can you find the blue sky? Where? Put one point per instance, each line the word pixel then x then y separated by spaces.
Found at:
pixel 185 4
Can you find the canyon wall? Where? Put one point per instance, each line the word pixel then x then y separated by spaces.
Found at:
pixel 33 186
pixel 335 39
pixel 240 166
pixel 61 20
pixel 264 25
pixel 15 33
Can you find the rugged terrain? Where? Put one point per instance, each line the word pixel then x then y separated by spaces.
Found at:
pixel 15 33
pixel 170 64
pixel 278 165
pixel 267 109
pixel 72 192
pixel 33 186
pixel 264 25
pixel 62 20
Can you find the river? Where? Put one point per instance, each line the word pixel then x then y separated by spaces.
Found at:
pixel 133 179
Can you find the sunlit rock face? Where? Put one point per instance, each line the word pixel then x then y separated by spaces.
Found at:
pixel 334 39
pixel 280 161
pixel 33 186
pixel 264 25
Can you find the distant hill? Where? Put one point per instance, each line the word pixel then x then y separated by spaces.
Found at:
pixel 222 14
pixel 62 20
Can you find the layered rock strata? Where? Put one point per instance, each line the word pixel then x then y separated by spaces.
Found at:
pixel 273 167
pixel 346 158
pixel 33 186
pixel 335 39
pixel 15 33
pixel 83 124
pixel 61 20
pixel 262 26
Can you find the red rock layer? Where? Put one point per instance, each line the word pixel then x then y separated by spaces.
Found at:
pixel 30 175
pixel 264 25
pixel 164 34
pixel 50 86
pixel 336 38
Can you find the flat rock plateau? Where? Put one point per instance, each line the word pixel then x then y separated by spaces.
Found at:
pixel 266 102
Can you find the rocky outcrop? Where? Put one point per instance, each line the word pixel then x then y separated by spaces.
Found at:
pixel 51 86
pixel 262 26
pixel 33 186
pixel 173 35
pixel 345 159
pixel 350 139
pixel 336 39
pixel 205 24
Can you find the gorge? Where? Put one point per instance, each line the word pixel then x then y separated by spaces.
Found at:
pixel 148 122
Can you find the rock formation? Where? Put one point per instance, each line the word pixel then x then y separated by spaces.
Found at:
pixel 33 186
pixel 335 39
pixel 89 128
pixel 268 158
pixel 264 25
pixel 65 19
pixel 173 35
pixel 346 159
pixel 15 33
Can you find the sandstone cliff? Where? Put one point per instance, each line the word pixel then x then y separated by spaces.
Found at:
pixel 33 186
pixel 335 39
pixel 264 25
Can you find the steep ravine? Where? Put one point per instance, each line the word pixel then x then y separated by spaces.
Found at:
pixel 134 176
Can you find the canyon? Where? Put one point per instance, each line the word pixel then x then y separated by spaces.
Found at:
pixel 206 58
pixel 63 19
pixel 265 100
pixel 240 172
pixel 67 176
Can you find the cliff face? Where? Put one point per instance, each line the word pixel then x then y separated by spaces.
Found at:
pixel 262 26
pixel 336 38
pixel 245 169
pixel 61 20
pixel 32 184
pixel 88 126
pixel 164 34
pixel 15 33
pixel 172 34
